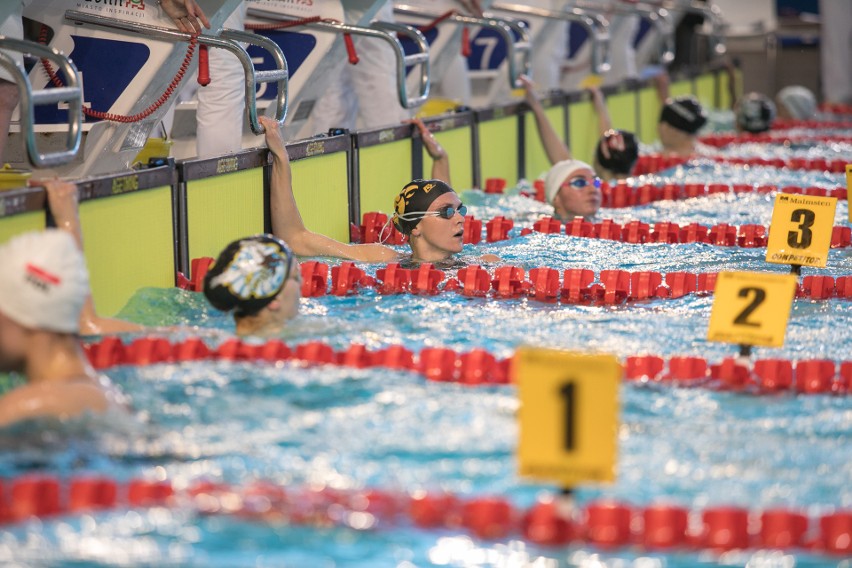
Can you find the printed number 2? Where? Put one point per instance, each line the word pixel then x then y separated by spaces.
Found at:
pixel 759 298
pixel 801 238
pixel 568 393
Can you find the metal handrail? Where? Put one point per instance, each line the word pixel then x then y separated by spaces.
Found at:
pixel 595 25
pixel 71 94
pixel 419 59
pixel 382 31
pixel 227 40
pixel 517 52
pixel 711 12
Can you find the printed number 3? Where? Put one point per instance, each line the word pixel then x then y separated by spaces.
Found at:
pixel 801 239
pixel 759 298
pixel 568 394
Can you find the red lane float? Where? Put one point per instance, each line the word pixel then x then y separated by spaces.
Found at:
pixel 479 367
pixel 605 524
pixel 578 286
pixel 632 232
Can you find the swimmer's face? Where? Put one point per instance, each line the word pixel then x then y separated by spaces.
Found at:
pixel 13 344
pixel 578 196
pixel 438 235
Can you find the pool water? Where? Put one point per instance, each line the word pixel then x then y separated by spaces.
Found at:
pixel 351 428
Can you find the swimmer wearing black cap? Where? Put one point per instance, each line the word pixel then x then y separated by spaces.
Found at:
pixel 680 121
pixel 754 113
pixel 258 280
pixel 428 211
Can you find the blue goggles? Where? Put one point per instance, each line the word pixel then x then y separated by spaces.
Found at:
pixel 445 212
pixel 583 183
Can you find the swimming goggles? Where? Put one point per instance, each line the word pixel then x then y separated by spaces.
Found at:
pixel 446 212
pixel 583 183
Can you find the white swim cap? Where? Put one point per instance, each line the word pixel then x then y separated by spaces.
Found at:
pixel 558 173
pixel 799 101
pixel 43 281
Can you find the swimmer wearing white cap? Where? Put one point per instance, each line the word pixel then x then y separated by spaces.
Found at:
pixel 43 286
pixel 570 185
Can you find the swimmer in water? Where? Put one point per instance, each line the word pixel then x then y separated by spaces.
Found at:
pixel 429 212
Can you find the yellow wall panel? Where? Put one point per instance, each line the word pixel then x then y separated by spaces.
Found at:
pixel 320 186
pixel 385 169
pixel 680 88
pixel 458 142
pixel 622 111
pixel 223 208
pixel 17 224
pixel 537 162
pixel 583 130
pixel 498 149
pixel 649 114
pixel 129 244
pixel 705 90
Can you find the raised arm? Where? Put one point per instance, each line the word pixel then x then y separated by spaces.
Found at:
pixel 599 102
pixel 554 146
pixel 62 201
pixel 287 222
pixel 440 158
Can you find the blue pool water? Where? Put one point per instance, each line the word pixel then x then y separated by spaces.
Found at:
pixel 349 428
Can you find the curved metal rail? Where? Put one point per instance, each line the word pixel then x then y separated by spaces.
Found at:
pixel 595 25
pixel 384 31
pixel 517 51
pixel 228 40
pixel 71 94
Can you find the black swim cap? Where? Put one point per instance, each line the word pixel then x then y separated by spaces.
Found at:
pixel 684 113
pixel 416 197
pixel 622 153
pixel 248 274
pixel 755 113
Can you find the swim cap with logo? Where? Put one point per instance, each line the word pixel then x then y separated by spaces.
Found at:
pixel 416 197
pixel 43 281
pixel 622 154
pixel 248 274
pixel 684 113
pixel 755 113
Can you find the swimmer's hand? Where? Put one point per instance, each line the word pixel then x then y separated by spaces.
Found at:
pixel 436 151
pixel 529 90
pixel 186 14
pixel 273 136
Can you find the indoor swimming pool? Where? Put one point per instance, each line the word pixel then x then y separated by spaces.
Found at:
pixel 341 429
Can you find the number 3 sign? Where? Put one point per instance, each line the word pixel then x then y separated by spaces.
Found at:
pixel 751 308
pixel 801 230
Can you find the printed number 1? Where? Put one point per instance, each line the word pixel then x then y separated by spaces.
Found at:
pixel 759 298
pixel 801 239
pixel 568 394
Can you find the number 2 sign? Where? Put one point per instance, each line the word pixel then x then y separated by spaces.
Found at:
pixel 751 308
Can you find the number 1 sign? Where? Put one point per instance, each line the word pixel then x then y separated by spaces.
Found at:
pixel 751 308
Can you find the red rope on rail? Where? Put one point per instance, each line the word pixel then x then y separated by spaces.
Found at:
pixel 173 85
pixel 479 367
pixel 607 524
pixel 286 24
pixel 434 23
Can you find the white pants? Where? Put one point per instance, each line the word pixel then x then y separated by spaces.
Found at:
pixel 13 27
pixel 836 50
pixel 372 81
pixel 221 104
